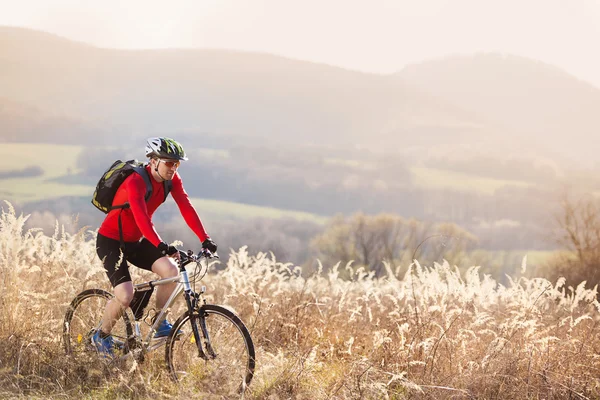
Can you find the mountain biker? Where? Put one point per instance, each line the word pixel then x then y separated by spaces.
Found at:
pixel 140 243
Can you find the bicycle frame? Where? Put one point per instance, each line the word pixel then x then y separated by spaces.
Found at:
pixel 191 297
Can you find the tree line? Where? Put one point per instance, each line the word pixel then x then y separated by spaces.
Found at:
pixel 326 184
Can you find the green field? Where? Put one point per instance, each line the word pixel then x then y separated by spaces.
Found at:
pixel 228 209
pixel 55 160
pixel 60 160
pixel 432 178
pixel 39 188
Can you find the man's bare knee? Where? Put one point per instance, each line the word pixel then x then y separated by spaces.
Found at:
pixel 165 267
pixel 124 294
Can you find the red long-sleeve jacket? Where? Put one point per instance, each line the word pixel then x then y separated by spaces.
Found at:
pixel 137 220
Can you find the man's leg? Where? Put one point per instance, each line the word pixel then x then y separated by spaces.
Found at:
pixel 114 308
pixel 109 251
pixel 147 256
pixel 165 267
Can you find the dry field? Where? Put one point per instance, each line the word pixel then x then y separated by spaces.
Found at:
pixel 419 333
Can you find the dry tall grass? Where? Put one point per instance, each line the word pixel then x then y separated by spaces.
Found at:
pixel 426 332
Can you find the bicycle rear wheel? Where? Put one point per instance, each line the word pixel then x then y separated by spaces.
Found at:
pixel 228 365
pixel 83 319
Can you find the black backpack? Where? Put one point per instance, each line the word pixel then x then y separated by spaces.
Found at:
pixel 112 178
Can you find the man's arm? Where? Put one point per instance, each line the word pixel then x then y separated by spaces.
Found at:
pixel 187 208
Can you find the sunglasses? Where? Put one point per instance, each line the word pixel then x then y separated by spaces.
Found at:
pixel 170 163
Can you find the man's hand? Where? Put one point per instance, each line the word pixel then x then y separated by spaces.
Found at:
pixel 167 250
pixel 209 245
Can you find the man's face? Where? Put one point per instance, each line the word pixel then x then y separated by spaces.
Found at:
pixel 167 167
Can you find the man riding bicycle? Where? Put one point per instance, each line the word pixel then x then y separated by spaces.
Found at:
pixel 128 235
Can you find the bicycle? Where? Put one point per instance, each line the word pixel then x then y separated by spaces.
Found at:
pixel 209 346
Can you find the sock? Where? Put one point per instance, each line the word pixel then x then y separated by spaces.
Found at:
pixel 103 335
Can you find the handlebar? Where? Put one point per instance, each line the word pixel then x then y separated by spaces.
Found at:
pixel 188 257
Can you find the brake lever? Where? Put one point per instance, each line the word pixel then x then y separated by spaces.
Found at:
pixel 207 254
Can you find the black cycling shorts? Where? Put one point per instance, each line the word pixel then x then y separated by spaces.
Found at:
pixel 142 254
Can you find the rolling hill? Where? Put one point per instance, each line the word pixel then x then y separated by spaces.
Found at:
pixel 484 103
pixel 540 103
pixel 217 92
pixel 20 122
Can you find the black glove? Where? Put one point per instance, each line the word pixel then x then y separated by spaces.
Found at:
pixel 209 245
pixel 166 250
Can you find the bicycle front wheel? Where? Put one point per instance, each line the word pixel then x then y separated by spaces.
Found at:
pixel 226 364
pixel 83 319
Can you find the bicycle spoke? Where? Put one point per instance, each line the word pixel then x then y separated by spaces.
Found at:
pixel 230 367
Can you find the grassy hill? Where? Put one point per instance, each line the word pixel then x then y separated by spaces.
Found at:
pixel 55 163
pixel 540 106
pixel 481 104
pixel 215 92
pixel 22 122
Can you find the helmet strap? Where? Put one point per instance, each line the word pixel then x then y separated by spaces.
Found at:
pixel 156 169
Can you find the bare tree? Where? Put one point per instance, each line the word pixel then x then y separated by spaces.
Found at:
pixel 371 240
pixel 578 231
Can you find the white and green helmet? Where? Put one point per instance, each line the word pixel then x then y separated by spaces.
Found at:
pixel 163 147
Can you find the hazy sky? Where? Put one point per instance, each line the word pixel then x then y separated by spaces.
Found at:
pixel 373 36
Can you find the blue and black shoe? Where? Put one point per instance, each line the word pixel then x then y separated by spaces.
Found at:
pixel 164 329
pixel 104 346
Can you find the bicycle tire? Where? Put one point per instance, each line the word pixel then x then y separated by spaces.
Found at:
pixel 233 367
pixel 83 319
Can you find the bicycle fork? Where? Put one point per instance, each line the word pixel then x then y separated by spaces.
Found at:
pixel 201 335
pixel 192 300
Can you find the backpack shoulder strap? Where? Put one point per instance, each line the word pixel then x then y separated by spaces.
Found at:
pixel 167 185
pixel 141 170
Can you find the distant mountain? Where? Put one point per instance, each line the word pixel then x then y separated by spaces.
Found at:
pixel 20 122
pixel 486 104
pixel 217 92
pixel 535 100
